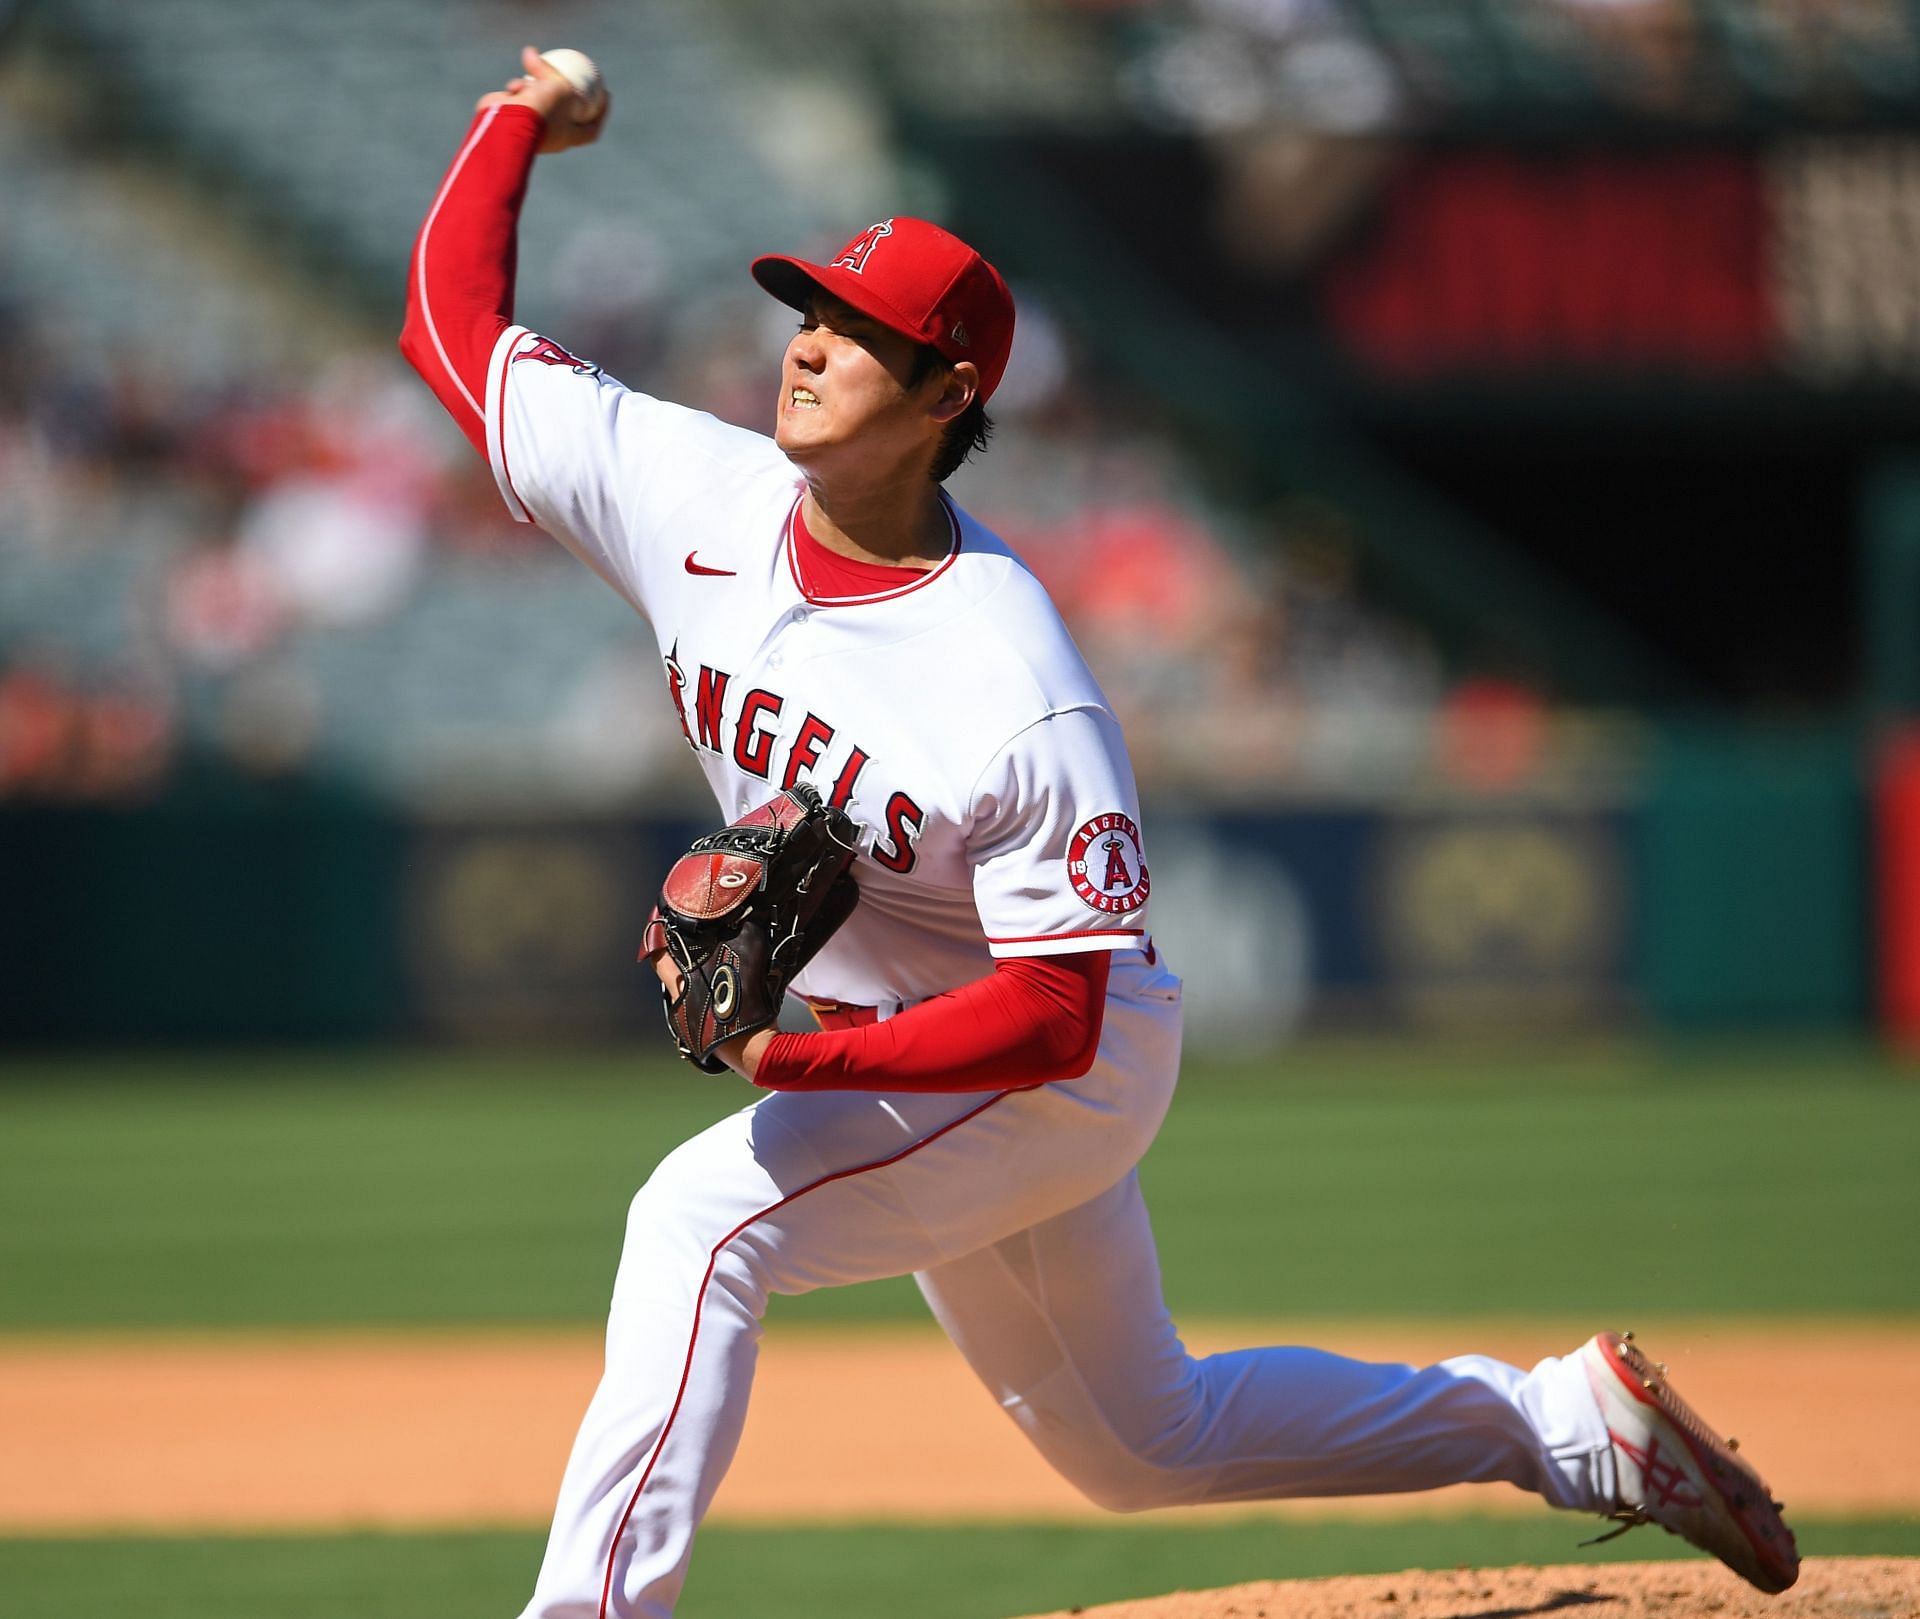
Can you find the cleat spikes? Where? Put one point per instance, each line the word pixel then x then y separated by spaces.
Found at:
pixel 1675 1472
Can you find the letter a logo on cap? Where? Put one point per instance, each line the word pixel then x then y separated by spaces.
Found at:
pixel 854 255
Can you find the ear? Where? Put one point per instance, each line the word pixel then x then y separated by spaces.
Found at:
pixel 959 388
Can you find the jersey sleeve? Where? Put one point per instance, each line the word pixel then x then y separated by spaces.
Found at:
pixel 613 474
pixel 1055 843
pixel 604 470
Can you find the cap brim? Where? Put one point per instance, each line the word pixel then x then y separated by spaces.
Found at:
pixel 794 281
pixel 789 280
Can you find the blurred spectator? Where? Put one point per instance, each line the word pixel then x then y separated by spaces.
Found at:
pixel 271 719
pixel 126 739
pixel 60 738
pixel 335 552
pixel 1491 734
pixel 613 733
pixel 39 721
pixel 342 524
pixel 612 278
pixel 223 607
pixel 1644 49
pixel 1225 67
pixel 468 517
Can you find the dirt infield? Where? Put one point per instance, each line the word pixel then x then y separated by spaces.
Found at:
pixel 1831 1588
pixel 448 1430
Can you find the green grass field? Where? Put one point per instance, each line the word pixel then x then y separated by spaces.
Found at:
pixel 1366 1181
pixel 272 1190
pixel 870 1572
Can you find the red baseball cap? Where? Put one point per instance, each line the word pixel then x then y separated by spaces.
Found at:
pixel 916 279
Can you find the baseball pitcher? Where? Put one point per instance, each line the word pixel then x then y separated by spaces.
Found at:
pixel 933 836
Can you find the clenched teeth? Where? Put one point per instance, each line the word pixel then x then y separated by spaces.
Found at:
pixel 804 399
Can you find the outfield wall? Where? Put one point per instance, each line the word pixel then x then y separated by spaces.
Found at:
pixel 1729 888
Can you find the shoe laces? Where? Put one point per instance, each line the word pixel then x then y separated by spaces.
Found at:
pixel 1627 1518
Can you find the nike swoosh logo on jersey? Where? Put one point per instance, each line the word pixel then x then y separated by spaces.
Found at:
pixel 702 568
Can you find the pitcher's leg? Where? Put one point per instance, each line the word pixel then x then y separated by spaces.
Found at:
pixel 801 1191
pixel 1065 1323
pixel 682 1339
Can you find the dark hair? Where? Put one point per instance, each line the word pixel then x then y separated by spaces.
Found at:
pixel 966 433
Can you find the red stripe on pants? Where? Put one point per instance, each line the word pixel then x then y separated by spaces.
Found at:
pixel 700 1299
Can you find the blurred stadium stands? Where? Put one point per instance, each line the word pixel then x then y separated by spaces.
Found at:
pixel 1406 391
pixel 312 565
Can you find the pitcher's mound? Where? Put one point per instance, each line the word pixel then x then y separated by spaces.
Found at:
pixel 1829 1588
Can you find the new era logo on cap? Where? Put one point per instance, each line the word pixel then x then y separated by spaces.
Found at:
pixel 916 278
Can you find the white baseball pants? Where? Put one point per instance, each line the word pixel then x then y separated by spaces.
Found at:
pixel 1021 1215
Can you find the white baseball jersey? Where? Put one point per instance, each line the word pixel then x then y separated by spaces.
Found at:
pixel 953 718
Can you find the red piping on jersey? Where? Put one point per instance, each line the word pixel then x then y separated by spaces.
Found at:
pixel 927 578
pixel 500 416
pixel 713 1258
pixel 460 277
pixel 420 266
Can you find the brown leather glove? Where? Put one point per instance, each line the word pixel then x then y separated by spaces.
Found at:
pixel 744 910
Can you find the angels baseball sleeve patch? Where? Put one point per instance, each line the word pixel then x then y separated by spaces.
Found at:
pixel 1105 865
pixel 1059 864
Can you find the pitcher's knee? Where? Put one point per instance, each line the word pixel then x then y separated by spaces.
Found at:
pixel 658 1203
pixel 676 1210
pixel 1124 1495
pixel 694 1216
pixel 1122 1481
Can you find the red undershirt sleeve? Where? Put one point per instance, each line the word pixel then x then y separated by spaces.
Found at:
pixel 460 279
pixel 1030 1021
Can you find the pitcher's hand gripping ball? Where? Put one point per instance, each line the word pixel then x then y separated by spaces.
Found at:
pixel 580 71
pixel 744 910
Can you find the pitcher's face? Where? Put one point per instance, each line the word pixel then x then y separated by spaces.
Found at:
pixel 847 389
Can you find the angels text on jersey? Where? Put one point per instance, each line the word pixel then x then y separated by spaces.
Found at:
pixel 754 743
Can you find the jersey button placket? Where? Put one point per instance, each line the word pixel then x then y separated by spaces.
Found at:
pixel 793 619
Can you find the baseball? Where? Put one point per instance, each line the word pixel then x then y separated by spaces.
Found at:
pixel 580 71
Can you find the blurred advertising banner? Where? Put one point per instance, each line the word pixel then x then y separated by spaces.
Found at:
pixel 1728 889
pixel 1794 256
pixel 1279 921
pixel 1490 917
pixel 532 929
pixel 1733 885
pixel 1511 262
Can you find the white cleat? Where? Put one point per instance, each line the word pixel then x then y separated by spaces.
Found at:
pixel 1675 1471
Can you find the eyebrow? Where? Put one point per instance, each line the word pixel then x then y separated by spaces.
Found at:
pixel 824 306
